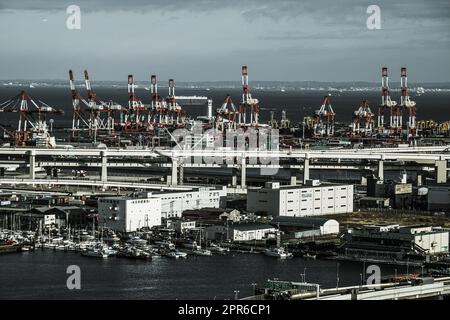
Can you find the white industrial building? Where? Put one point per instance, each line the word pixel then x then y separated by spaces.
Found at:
pixel 240 232
pixel 312 199
pixel 174 202
pixel 126 214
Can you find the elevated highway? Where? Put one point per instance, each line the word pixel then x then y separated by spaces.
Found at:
pixel 177 159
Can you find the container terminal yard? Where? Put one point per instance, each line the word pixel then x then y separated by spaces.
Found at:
pixel 146 181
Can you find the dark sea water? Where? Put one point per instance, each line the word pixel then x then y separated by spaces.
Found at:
pixel 42 275
pixel 431 105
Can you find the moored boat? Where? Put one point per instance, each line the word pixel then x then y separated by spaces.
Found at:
pixel 277 253
pixel 176 254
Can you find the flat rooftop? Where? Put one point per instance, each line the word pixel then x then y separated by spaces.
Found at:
pixel 303 186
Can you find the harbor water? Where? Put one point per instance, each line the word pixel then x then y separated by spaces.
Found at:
pixel 41 274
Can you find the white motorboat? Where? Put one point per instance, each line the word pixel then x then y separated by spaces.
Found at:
pixel 165 244
pixel 96 253
pixel 176 254
pixel 277 253
pixel 192 245
pixel 136 241
pixel 202 252
pixel 216 248
pixel 100 251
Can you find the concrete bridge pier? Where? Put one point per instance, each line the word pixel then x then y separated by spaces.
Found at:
pixel 306 169
pixel 243 172
pixel 234 178
pixel 104 170
pixel 380 170
pixel 174 181
pixel 181 174
pixel 293 174
pixel 32 162
pixel 441 171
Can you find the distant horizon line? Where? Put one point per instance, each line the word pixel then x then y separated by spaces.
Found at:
pixel 223 81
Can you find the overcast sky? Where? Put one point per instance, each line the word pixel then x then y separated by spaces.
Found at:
pixel 201 40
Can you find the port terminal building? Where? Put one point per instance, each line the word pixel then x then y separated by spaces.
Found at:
pixel 311 199
pixel 396 242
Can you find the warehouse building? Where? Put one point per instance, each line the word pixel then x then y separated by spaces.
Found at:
pixel 181 226
pixel 249 231
pixel 174 202
pixel 312 199
pixel 126 214
pixel 302 227
pixel 395 242
pixel 374 202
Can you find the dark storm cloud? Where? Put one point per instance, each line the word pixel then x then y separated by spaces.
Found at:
pixel 264 8
pixel 211 39
pixel 115 5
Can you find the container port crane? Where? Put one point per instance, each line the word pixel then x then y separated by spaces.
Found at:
pixel 396 116
pixel 177 116
pixel 81 118
pixel 78 113
pixel 32 125
pixel 324 119
pixel 226 115
pixel 159 110
pixel 101 113
pixel 363 115
pixel 407 104
pixel 387 103
pixel 92 115
pixel 249 105
pixel 285 123
pixel 138 114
